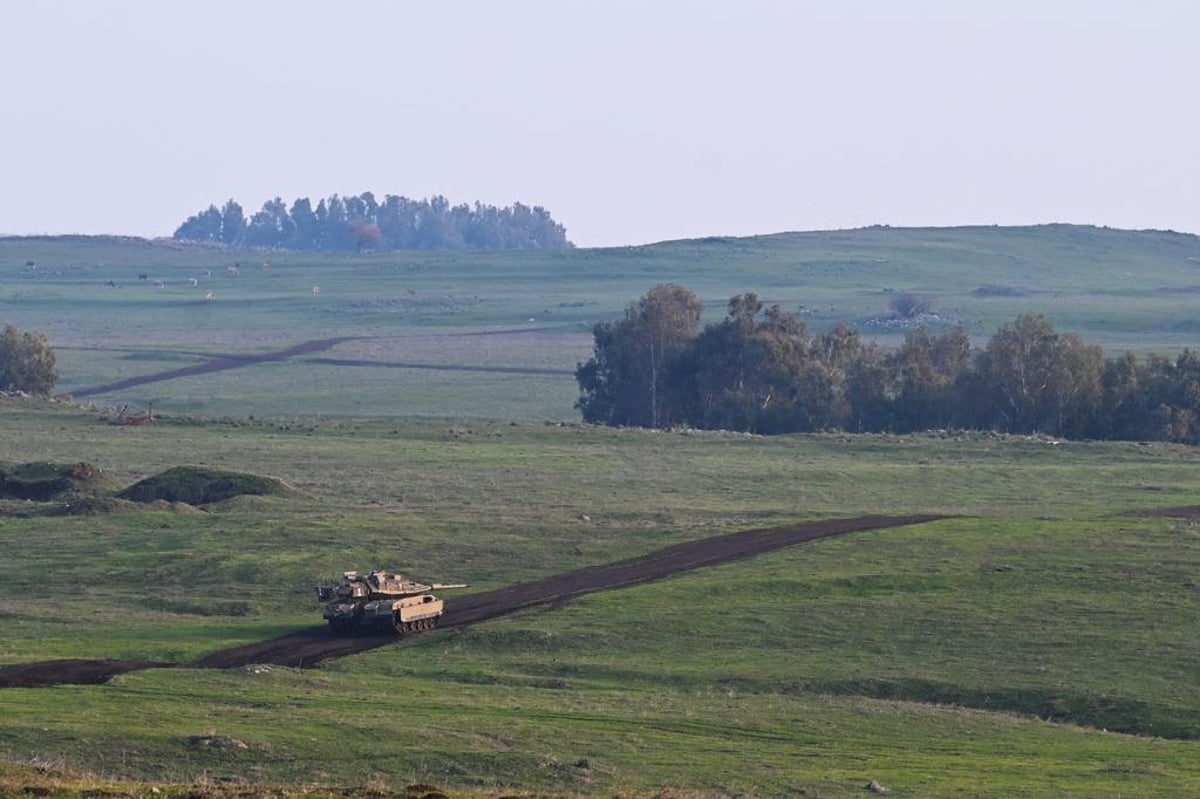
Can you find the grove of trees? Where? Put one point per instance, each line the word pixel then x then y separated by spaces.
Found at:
pixel 26 362
pixel 358 223
pixel 759 370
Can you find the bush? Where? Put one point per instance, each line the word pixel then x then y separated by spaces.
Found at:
pixel 199 486
pixel 26 362
pixel 909 306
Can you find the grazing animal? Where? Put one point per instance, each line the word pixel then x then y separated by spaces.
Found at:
pixel 212 295
pixel 316 289
pixel 159 284
pixel 233 271
pixel 112 284
pixel 194 282
pixel 143 276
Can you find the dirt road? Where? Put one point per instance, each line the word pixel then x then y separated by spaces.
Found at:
pixel 310 646
pixel 220 363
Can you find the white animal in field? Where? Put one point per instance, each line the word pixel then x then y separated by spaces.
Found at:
pixel 211 295
pixel 316 289
pixel 233 271
pixel 194 282
pixel 159 284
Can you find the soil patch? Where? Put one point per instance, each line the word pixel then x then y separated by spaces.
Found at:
pixel 76 672
pixel 1189 512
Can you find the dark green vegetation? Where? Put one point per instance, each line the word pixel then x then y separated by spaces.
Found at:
pixel 357 223
pixel 449 334
pixel 26 362
pixel 199 486
pixel 760 371
pixel 45 482
pixel 983 655
pixel 56 489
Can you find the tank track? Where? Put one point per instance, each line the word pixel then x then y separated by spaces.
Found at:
pixel 409 627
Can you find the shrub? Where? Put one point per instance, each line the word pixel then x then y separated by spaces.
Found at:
pixel 26 362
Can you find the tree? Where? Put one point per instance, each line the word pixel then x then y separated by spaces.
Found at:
pixel 366 235
pixel 361 222
pixel 233 223
pixel 304 226
pixel 204 226
pixel 629 377
pixel 26 362
pixel 752 371
pixel 1169 398
pixel 929 372
pixel 1035 380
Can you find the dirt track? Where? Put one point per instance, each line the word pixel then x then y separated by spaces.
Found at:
pixel 311 646
pixel 218 364
pixel 221 363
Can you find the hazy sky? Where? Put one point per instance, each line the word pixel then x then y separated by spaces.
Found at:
pixel 630 121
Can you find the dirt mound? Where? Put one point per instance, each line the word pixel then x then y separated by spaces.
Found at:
pixel 80 489
pixel 244 503
pixel 197 485
pixel 87 506
pixel 45 481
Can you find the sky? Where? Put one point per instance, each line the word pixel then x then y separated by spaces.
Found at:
pixel 631 122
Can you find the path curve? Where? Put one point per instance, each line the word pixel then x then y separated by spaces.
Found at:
pixel 309 647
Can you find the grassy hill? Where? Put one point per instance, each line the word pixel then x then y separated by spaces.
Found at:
pixel 496 335
pixel 1040 644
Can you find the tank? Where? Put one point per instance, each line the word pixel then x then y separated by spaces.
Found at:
pixel 380 601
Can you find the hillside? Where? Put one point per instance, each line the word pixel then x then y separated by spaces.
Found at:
pixel 498 334
pixel 1038 642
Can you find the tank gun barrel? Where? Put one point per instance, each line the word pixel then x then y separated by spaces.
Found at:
pixel 443 586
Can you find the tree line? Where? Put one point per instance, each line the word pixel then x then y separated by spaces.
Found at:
pixel 357 223
pixel 759 370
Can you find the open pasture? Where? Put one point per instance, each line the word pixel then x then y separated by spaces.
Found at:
pixel 416 328
pixel 1041 644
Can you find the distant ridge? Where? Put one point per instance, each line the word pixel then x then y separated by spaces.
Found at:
pixel 1068 228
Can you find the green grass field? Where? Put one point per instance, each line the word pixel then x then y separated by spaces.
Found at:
pixel 430 318
pixel 1042 643
pixel 1039 643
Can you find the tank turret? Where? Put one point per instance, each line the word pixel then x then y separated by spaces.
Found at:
pixel 381 600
